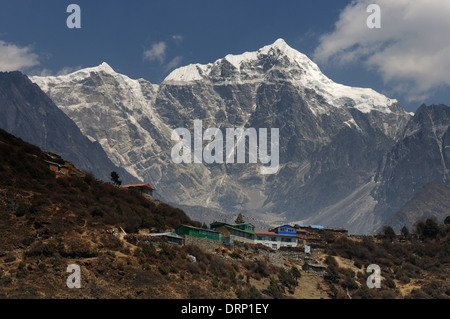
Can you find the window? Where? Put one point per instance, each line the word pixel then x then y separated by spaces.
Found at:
pixel 273 239
pixel 260 237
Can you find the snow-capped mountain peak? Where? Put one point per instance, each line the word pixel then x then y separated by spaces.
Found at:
pixel 105 67
pixel 279 61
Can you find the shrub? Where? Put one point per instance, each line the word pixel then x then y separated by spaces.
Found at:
pixel 274 289
pixel 427 229
pixel 331 275
pixel 434 289
pixel 349 283
pixel 288 280
pixel 251 293
pixel 148 249
pixel 48 250
pixel 257 269
pixel 296 273
pixel 404 279
pixel 35 249
pixel 193 268
pixel 389 282
pixel 163 270
pixel 197 252
pixel 22 209
pixel 331 261
pixel 111 242
pixel 218 267
pixel 364 293
pixel 97 212
pixel 89 178
pixel 168 252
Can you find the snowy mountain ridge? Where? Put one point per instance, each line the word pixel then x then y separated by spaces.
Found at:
pixel 302 72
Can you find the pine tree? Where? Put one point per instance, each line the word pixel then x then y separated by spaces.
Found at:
pixel 239 219
pixel 404 231
pixel 115 178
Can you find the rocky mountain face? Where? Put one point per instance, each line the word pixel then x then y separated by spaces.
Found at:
pixel 431 201
pixel 30 114
pixel 337 144
pixel 421 156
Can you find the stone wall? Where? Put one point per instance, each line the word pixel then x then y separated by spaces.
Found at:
pixel 206 244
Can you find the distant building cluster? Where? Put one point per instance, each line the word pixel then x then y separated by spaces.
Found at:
pixel 282 236
pixel 240 231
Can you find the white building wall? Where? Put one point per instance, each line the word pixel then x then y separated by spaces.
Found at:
pixel 277 243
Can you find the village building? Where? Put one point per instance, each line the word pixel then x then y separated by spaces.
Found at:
pixel 169 237
pixel 301 233
pixel 144 189
pixel 243 232
pixel 60 169
pixel 281 236
pixel 185 230
pixel 274 240
pixel 313 266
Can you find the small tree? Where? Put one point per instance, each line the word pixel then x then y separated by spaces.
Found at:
pixel 115 178
pixel 288 280
pixel 404 231
pixel 274 289
pixel 296 273
pixel 388 232
pixel 427 229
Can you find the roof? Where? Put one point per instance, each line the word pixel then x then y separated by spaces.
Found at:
pixel 216 225
pixel 265 233
pixel 285 226
pixel 312 226
pixel 271 233
pixel 168 234
pixel 198 228
pixel 56 164
pixel 138 185
pixel 315 264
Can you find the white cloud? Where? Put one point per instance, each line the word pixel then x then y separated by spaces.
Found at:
pixel 68 69
pixel 157 52
pixel 411 50
pixel 177 37
pixel 13 57
pixel 176 61
pixel 47 72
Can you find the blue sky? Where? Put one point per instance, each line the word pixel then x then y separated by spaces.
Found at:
pixel 147 39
